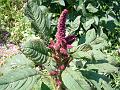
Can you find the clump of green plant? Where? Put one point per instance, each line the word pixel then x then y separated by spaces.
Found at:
pixel 12 19
pixel 68 52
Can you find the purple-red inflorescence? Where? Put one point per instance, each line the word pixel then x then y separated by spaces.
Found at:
pixel 53 73
pixel 63 42
pixel 62 67
pixel 58 82
pixel 61 25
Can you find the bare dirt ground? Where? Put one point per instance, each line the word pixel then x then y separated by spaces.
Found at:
pixel 7 51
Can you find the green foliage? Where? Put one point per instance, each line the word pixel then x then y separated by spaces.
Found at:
pixel 99 81
pixel 13 20
pixel 16 78
pixel 74 80
pixel 35 49
pixel 38 19
pixel 90 36
pixel 102 67
pixel 18 73
pixel 88 67
pixel 75 24
pixel 16 61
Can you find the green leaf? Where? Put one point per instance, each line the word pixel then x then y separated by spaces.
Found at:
pixel 75 25
pixel 76 63
pixel 103 67
pixel 36 51
pixel 90 36
pixel 50 64
pixel 96 19
pixel 80 5
pixel 89 54
pixel 83 51
pixel 91 8
pixel 88 24
pixel 105 85
pixel 44 9
pixel 62 2
pixel 98 55
pixel 82 55
pixel 96 84
pixel 43 83
pixel 99 43
pixel 84 47
pixel 103 35
pixel 44 87
pixel 74 80
pixel 94 76
pixel 38 20
pixel 18 60
pixel 98 80
pixel 19 79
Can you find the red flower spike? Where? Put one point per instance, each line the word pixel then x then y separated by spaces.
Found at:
pixel 61 25
pixel 53 73
pixel 62 42
pixel 63 51
pixel 62 67
pixel 69 46
pixel 57 45
pixel 60 35
pixel 58 83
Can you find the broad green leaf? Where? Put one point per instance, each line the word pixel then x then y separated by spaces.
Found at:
pixel 103 35
pixel 84 47
pixel 114 60
pixel 62 2
pixel 98 55
pixel 83 51
pixel 44 87
pixel 43 83
pixel 86 52
pixel 90 75
pixel 96 19
pixel 103 67
pixel 80 5
pixel 98 80
pixel 82 55
pixel 105 85
pixel 19 79
pixel 88 23
pixel 15 61
pixel 90 36
pixel 76 23
pixel 99 43
pixel 74 80
pixel 38 20
pixel 91 8
pixel 36 51
pixel 76 63
pixel 19 59
pixel 50 64
pixel 44 9
pixel 96 84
